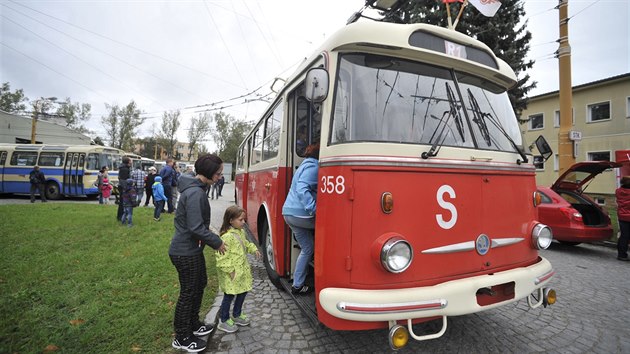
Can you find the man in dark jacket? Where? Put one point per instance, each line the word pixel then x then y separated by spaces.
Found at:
pixel 38 181
pixel 168 177
pixel 123 174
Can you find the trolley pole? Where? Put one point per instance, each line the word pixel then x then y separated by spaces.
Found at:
pixel 566 146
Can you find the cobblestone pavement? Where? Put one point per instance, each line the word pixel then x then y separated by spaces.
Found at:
pixel 591 316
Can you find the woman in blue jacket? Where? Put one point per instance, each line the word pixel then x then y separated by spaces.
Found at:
pixel 299 212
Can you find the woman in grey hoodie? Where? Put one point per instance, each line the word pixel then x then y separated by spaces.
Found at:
pixel 192 233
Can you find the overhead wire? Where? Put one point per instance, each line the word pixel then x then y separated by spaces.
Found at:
pixel 82 60
pixel 227 48
pixel 105 52
pixel 53 70
pixel 130 46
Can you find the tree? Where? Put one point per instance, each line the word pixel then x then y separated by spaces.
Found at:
pixel 12 102
pixel 167 136
pixel 199 128
pixel 504 33
pixel 121 124
pixel 228 135
pixel 99 141
pixel 75 114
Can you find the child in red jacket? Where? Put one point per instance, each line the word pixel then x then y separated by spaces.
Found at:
pixel 106 189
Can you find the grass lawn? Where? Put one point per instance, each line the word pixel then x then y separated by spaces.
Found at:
pixel 72 280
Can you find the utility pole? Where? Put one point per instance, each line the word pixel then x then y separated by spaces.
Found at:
pixel 38 106
pixel 565 144
pixel 34 124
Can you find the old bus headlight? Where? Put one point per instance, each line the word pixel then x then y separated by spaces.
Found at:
pixel 396 255
pixel 542 236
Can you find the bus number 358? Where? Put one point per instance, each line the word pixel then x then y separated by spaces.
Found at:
pixel 336 184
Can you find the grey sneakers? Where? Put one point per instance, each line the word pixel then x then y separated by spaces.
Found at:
pixel 228 326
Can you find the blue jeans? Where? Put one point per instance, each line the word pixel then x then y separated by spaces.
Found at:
pixel 224 311
pixel 304 230
pixel 127 215
pixel 159 205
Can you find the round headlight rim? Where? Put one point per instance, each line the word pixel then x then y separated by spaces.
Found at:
pixel 389 245
pixel 536 236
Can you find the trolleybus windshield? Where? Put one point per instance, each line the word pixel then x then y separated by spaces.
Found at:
pixel 386 99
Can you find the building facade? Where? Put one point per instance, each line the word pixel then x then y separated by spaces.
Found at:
pixel 600 127
pixel 16 129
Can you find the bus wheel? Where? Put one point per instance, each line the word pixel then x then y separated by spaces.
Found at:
pixel 268 257
pixel 52 191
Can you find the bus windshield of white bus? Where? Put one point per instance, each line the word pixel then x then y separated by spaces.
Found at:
pixel 386 99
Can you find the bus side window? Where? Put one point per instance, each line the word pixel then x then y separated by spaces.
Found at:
pixel 308 123
pixel 23 158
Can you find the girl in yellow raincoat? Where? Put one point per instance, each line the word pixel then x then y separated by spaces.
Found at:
pixel 234 272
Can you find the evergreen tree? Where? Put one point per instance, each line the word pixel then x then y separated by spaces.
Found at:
pixel 504 33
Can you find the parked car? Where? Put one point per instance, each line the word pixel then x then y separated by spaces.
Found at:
pixel 573 216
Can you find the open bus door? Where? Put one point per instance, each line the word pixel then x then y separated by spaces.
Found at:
pixel 3 159
pixel 73 174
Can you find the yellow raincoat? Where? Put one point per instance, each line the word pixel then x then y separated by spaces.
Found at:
pixel 235 260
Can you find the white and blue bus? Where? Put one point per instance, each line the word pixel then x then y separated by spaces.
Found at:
pixel 70 170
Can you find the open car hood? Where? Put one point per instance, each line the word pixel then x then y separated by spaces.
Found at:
pixel 580 173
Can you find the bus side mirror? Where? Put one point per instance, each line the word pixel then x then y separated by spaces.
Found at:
pixel 316 85
pixel 543 147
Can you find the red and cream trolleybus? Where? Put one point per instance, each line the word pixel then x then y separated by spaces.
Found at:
pixel 426 204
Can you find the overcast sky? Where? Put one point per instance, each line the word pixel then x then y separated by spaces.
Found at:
pixel 194 55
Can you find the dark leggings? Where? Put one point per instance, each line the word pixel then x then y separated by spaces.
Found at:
pixel 224 311
pixel 192 282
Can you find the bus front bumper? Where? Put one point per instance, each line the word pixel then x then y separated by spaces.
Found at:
pixel 453 298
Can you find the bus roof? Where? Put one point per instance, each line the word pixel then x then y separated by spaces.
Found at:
pixel 396 39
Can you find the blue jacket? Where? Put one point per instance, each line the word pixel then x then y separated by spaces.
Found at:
pixel 302 198
pixel 167 173
pixel 158 189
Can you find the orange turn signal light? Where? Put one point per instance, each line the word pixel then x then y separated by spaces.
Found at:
pixel 387 202
pixel 537 198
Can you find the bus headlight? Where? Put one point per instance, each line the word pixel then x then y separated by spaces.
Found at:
pixel 542 236
pixel 396 255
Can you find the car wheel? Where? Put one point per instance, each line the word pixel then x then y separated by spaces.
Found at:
pixel 569 243
pixel 268 256
pixel 52 191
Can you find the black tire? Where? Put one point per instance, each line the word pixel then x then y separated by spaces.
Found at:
pixel 268 258
pixel 92 196
pixel 569 243
pixel 52 191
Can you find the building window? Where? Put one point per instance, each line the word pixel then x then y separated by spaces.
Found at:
pixel 556 119
pixel 600 200
pixel 539 162
pixel 556 162
pixel 627 107
pixel 598 156
pixel 536 121
pixel 598 111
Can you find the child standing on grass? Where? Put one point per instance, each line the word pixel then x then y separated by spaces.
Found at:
pixel 234 273
pixel 159 198
pixel 106 188
pixel 129 201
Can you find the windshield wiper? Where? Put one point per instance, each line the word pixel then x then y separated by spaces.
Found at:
pixel 452 112
pixel 480 116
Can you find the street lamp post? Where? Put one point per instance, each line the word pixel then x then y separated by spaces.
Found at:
pixel 39 103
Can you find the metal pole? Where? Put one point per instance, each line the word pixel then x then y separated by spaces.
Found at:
pixel 565 145
pixel 34 124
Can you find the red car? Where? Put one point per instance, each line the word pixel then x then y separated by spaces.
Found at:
pixel 574 217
